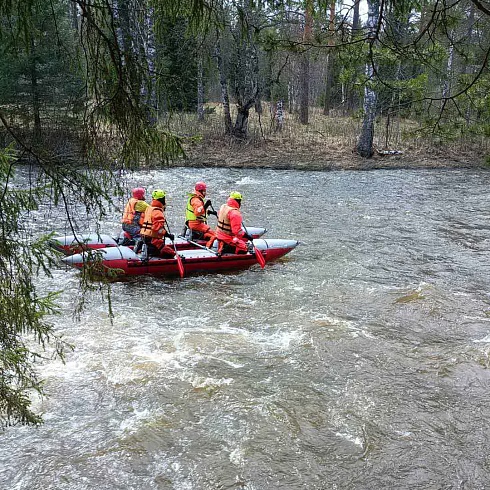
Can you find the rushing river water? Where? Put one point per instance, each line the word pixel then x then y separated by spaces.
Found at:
pixel 359 361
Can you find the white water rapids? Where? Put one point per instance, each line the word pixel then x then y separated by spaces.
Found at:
pixel 359 361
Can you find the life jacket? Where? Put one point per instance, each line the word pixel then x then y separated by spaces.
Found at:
pixel 147 225
pixel 189 210
pixel 130 215
pixel 224 224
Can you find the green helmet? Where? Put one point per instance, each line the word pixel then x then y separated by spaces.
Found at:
pixel 158 194
pixel 236 195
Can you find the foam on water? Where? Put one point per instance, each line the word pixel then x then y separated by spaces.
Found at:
pixel 234 365
pixel 247 181
pixel 237 457
pixel 351 438
pixel 132 423
pixel 277 339
pixel 69 370
pixel 200 382
pixel 484 340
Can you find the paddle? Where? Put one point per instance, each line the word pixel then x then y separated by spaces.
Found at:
pixel 180 265
pixel 258 253
pixel 215 214
pixel 198 245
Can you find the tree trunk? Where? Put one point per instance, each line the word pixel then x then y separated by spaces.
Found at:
pixel 352 99
pixel 149 51
pixel 225 99
pixel 305 89
pixel 291 97
pixel 246 86
pixel 73 13
pixel 327 104
pixel 200 87
pixel 241 123
pixel 469 40
pixel 305 66
pixel 355 18
pixel 121 13
pixel 365 142
pixel 126 38
pixel 446 86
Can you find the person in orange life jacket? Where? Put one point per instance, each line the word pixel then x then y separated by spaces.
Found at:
pixel 197 211
pixel 153 229
pixel 229 232
pixel 134 212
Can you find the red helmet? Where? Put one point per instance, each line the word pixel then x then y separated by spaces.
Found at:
pixel 139 193
pixel 200 186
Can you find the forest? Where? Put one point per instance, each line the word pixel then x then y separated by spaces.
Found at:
pixel 125 84
pixel 147 80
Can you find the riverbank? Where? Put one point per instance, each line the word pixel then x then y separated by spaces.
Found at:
pixel 326 143
pixel 297 156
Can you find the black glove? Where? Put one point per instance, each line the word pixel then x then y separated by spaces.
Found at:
pixel 207 204
pixel 248 237
pixel 170 236
pixel 214 213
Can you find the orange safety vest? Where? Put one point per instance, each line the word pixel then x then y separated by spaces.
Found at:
pixel 131 216
pixel 224 224
pixel 147 226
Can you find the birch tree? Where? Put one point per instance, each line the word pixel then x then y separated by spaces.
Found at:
pixel 365 141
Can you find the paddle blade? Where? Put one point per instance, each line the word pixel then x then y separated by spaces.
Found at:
pixel 180 265
pixel 260 257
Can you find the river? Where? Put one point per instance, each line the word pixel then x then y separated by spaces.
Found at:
pixel 359 361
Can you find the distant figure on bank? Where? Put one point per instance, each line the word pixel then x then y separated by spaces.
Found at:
pixel 229 231
pixel 153 229
pixel 196 214
pixel 133 214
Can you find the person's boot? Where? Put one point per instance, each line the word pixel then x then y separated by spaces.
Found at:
pixel 138 244
pixel 144 252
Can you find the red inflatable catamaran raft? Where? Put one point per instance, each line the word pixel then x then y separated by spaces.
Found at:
pixel 122 261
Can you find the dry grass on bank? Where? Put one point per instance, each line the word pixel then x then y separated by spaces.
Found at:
pixel 326 143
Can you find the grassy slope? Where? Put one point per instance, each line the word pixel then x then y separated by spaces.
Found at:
pixel 326 143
